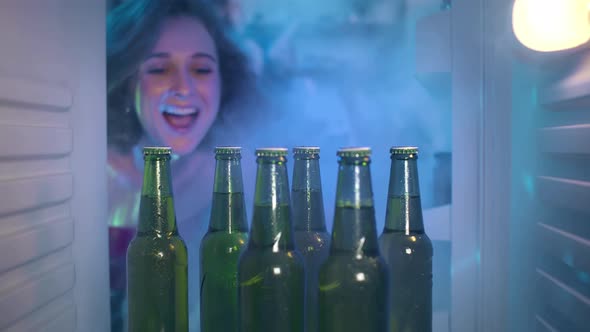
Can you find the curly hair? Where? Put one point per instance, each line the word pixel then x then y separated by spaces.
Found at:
pixel 132 31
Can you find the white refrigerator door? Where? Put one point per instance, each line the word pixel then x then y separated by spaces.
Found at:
pixel 53 230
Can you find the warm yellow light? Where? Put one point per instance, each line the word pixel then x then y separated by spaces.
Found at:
pixel 551 25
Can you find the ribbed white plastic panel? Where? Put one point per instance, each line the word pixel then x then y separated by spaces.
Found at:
pixel 53 266
pixel 32 275
pixel 566 139
pixel 562 234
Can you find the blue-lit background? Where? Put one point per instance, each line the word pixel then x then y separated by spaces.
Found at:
pixel 347 78
pixel 338 73
pixel 342 73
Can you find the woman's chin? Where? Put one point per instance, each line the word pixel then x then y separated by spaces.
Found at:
pixel 183 147
pixel 183 143
pixel 183 150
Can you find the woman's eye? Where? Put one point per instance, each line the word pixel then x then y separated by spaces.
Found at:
pixel 202 70
pixel 156 70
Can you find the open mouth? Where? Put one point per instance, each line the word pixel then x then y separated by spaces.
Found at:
pixel 180 118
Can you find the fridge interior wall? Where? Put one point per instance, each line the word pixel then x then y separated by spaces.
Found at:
pixel 521 126
pixel 549 231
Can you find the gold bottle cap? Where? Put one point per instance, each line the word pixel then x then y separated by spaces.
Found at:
pixel 403 150
pixel 355 152
pixel 271 152
pixel 228 150
pixel 156 150
pixel 306 150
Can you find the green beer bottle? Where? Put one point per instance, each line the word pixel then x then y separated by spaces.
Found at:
pixel 354 280
pixel 270 271
pixel 222 245
pixel 311 237
pixel 157 256
pixel 405 246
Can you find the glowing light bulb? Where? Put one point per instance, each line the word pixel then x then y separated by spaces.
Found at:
pixel 551 25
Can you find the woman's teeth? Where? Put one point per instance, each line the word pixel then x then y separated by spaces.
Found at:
pixel 178 110
pixel 179 118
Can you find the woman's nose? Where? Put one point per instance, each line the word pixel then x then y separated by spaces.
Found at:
pixel 184 84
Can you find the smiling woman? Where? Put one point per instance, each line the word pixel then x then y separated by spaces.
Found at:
pixel 178 87
pixel 175 48
pixel 174 79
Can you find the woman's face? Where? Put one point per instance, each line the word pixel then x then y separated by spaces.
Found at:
pixel 178 90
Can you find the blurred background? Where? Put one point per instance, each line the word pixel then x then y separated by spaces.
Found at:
pixel 343 73
pixel 340 73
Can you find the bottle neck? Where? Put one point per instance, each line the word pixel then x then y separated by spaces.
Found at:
pixel 308 202
pixel 156 209
pixel 271 221
pixel 404 209
pixel 228 212
pixel 354 220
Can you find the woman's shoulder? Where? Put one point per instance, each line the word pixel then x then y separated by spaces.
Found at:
pixel 121 169
pixel 123 185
